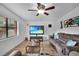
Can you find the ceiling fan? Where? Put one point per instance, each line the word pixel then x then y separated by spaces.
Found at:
pixel 42 9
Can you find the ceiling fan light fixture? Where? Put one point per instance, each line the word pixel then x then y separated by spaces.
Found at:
pixel 40 11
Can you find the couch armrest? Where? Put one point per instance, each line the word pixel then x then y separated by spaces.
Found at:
pixel 74 53
pixel 15 53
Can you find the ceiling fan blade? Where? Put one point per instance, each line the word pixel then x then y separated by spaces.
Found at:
pixel 31 10
pixel 38 4
pixel 37 14
pixel 46 13
pixel 49 8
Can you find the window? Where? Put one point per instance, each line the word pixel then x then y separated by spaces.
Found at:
pixel 2 27
pixel 8 27
pixel 12 28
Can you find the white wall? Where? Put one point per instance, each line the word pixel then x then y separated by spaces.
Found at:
pixel 9 43
pixel 71 30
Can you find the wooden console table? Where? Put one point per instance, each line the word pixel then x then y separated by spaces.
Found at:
pixel 36 37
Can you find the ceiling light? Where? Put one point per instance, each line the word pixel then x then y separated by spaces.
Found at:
pixel 40 11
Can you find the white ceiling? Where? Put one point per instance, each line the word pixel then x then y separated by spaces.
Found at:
pixel 21 9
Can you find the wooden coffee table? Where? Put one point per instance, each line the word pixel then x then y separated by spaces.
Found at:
pixel 30 48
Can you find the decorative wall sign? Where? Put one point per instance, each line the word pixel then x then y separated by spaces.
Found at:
pixel 72 22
